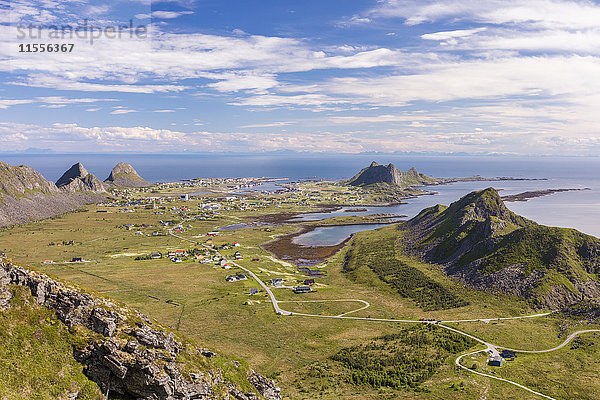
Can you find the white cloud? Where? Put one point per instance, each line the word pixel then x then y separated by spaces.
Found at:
pixel 452 34
pixel 270 125
pixel 122 111
pixel 49 101
pixel 567 14
pixel 6 103
pixel 169 14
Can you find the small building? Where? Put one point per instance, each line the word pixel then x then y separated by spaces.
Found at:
pixel 176 260
pixel 213 233
pixel 309 282
pixel 235 244
pixel 255 259
pixel 495 361
pixel 235 278
pixel 302 289
pixel 155 256
pixel 253 291
pixel 508 355
pixel 185 197
pixel 277 282
pixel 77 259
pixel 47 262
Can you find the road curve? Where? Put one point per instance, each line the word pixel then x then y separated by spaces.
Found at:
pixel 560 346
pixel 497 378
pixel 366 303
pixel 278 310
pixel 490 347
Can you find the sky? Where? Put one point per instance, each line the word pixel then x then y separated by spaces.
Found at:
pixel 196 76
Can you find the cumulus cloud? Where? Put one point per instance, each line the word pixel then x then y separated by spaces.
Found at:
pixel 571 14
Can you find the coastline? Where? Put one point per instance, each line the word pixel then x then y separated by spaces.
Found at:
pixel 284 248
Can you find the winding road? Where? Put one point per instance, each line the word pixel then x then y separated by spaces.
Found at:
pixel 490 348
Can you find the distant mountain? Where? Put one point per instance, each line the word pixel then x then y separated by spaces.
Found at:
pixel 125 175
pixel 78 179
pixel 389 174
pixel 482 242
pixel 25 195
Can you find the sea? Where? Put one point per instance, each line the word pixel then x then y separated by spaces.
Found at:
pixel 576 209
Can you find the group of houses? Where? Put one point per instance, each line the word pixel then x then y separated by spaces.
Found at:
pixel 304 288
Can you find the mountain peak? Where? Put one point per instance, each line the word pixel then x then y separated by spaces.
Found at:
pixel 125 175
pixel 389 174
pixel 76 171
pixel 481 241
pixel 483 204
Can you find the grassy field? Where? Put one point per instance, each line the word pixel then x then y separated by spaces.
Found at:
pixel 195 298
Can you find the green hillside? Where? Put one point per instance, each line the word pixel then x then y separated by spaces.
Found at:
pixel 480 240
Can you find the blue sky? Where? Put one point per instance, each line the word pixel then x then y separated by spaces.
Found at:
pixel 481 77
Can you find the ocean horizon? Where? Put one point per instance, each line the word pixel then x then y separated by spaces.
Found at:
pixel 578 209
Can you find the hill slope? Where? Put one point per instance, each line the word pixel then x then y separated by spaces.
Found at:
pixel 389 174
pixel 25 195
pixel 125 175
pixel 479 240
pixel 103 349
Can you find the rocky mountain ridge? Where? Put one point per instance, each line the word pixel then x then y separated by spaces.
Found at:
pixel 389 174
pixel 78 179
pixel 488 246
pixel 25 195
pixel 126 353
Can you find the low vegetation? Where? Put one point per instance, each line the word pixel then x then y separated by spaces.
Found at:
pixel 399 361
pixel 410 282
pixel 36 355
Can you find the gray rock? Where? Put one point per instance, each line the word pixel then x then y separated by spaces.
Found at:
pixel 25 195
pixel 266 387
pixel 142 367
pixel 124 175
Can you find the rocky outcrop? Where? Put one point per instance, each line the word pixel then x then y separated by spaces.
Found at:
pixel 125 175
pixel 77 171
pixel 25 195
pixel 264 386
pixel 127 354
pixel 78 179
pixel 389 174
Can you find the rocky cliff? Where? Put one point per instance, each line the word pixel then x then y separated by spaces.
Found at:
pixel 25 195
pixel 389 174
pixel 125 175
pixel 78 179
pixel 485 244
pixel 127 354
